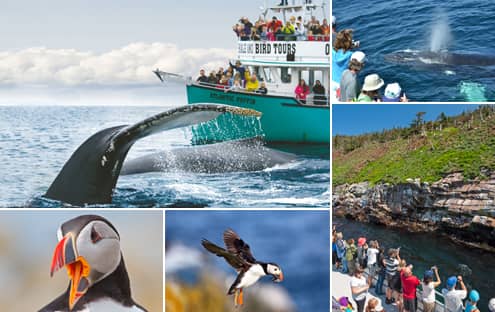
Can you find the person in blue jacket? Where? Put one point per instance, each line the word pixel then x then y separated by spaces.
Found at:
pixel 341 54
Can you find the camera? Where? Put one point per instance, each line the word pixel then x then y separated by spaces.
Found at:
pixel 433 268
pixel 356 43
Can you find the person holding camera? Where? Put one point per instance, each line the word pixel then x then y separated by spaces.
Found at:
pixel 409 284
pixel 453 297
pixel 429 285
pixel 391 268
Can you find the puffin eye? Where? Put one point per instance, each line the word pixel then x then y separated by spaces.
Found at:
pixel 95 236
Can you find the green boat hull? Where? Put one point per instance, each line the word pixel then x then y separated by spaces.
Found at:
pixel 283 118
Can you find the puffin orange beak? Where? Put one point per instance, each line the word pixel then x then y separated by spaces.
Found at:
pixel 78 269
pixel 281 277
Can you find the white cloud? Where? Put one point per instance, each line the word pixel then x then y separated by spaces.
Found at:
pixel 131 64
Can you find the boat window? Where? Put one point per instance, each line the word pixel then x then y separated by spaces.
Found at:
pixel 286 75
pixel 305 74
pixel 268 75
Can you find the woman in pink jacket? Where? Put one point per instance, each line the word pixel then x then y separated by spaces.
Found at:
pixel 302 90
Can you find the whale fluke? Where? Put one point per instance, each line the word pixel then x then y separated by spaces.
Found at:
pixel 91 173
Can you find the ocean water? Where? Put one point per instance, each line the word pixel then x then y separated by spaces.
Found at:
pixel 426 250
pixel 386 26
pixel 296 240
pixel 36 141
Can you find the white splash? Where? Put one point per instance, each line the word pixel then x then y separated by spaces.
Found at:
pixel 441 35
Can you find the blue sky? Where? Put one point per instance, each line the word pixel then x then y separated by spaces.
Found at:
pixel 362 118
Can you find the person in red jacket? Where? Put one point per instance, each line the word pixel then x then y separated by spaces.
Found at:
pixel 409 285
pixel 302 90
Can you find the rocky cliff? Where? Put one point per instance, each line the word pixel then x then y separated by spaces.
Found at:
pixel 462 209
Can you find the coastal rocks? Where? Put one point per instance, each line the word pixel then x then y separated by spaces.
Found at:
pixel 464 210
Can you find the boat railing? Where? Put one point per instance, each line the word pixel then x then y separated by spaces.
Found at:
pixel 313 99
pixel 289 37
pixel 439 306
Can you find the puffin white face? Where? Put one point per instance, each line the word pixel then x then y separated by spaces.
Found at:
pixel 89 254
pixel 275 271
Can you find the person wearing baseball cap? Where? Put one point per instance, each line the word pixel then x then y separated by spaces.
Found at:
pixel 473 299
pixel 349 84
pixel 453 297
pixel 429 285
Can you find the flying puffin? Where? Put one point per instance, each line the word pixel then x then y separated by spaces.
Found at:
pixel 89 248
pixel 238 255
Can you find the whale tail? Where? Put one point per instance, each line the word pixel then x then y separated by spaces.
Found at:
pixel 91 173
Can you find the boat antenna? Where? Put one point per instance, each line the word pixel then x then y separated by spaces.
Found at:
pixel 264 10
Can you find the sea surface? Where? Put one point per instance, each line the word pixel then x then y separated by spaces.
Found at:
pixel 426 250
pixel 298 241
pixel 36 141
pixel 386 26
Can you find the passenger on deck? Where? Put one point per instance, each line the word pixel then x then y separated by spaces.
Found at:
pixel 202 77
pixel 309 35
pixel 349 84
pixel 247 25
pixel 409 284
pixel 302 91
pixel 319 94
pixel 212 78
pixel 316 29
pixel 230 79
pixel 391 266
pixel 274 27
pixel 453 297
pixel 262 89
pixel 373 306
pixel 325 30
pixel 359 288
pixel 220 73
pixel 252 84
pixel 341 55
pixel 471 303
pixel 393 93
pixel 287 32
pixel 300 31
pixel 236 86
pixel 254 35
pixel 224 82
pixel 371 260
pixel 371 89
pixel 381 272
pixel 429 286
pixel 350 255
pixel 238 68
pixel 264 33
pixel 283 2
pixel 361 252
pixel 341 251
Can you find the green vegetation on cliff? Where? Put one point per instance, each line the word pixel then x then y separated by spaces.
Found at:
pixel 425 150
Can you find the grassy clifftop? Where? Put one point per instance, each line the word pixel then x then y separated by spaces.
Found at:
pixel 426 150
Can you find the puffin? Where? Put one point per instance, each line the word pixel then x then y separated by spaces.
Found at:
pixel 249 270
pixel 89 248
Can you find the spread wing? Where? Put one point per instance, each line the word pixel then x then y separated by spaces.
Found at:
pixel 235 245
pixel 237 262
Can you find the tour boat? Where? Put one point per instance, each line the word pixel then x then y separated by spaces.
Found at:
pixel 280 64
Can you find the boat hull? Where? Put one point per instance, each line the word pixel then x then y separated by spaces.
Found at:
pixel 283 118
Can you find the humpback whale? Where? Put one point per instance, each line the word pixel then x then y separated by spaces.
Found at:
pixel 440 58
pixel 230 156
pixel 91 173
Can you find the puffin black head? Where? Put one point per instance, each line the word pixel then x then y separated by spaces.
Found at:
pixel 274 270
pixel 89 248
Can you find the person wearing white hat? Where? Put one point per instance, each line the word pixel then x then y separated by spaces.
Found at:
pixel 393 93
pixel 371 88
pixel 491 305
pixel 349 84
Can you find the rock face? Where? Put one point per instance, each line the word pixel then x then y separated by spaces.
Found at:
pixel 463 210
